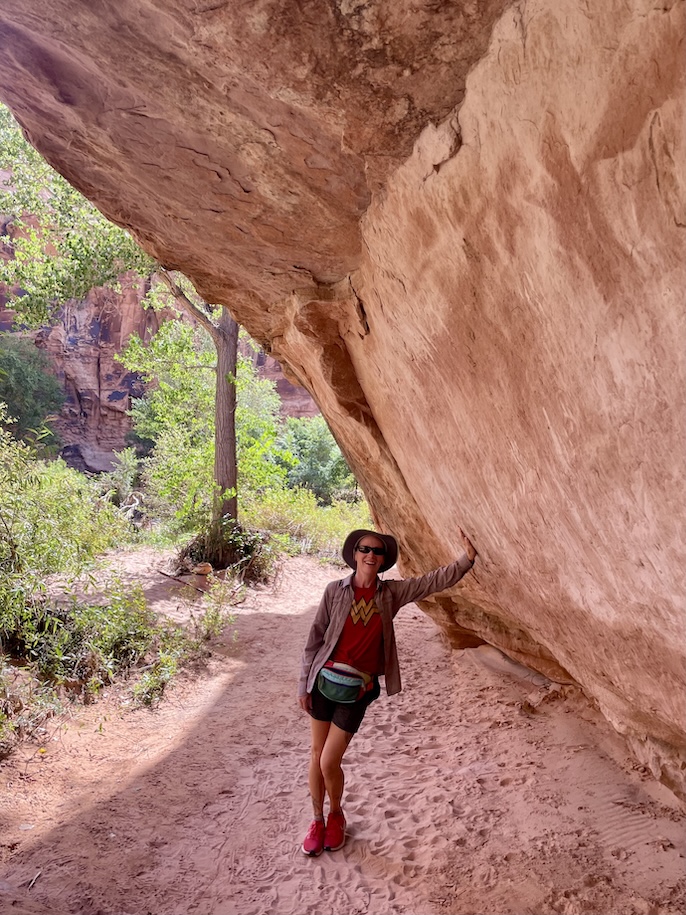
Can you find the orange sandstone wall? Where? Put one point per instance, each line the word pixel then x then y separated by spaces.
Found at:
pixel 461 227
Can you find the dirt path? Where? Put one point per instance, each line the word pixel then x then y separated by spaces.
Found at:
pixel 457 801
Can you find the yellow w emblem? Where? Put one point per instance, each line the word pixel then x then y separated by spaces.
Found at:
pixel 363 610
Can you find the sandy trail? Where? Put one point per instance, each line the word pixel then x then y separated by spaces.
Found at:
pixel 457 801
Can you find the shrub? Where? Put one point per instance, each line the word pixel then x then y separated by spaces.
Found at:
pixel 119 484
pixel 50 516
pixel 56 520
pixel 318 463
pixel 153 682
pixel 81 645
pixel 176 647
pixel 25 704
pixel 51 521
pixel 250 554
pixel 28 388
pixel 307 526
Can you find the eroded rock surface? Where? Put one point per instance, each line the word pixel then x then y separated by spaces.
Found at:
pixel 82 348
pixel 461 227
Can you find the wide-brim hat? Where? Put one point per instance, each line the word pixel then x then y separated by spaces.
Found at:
pixel 388 540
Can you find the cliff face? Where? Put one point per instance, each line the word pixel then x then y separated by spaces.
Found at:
pixel 82 346
pixel 461 227
pixel 82 349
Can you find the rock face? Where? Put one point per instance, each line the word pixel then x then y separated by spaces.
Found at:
pixel 82 348
pixel 461 227
pixel 295 401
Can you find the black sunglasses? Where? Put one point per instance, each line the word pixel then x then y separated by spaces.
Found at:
pixel 376 550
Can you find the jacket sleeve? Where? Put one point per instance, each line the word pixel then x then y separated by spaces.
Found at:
pixel 315 640
pixel 411 589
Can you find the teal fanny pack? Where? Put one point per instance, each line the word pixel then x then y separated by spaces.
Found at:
pixel 342 683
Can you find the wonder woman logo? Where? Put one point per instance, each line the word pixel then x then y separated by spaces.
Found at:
pixel 363 610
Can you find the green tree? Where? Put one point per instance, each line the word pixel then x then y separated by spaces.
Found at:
pixel 318 462
pixel 26 386
pixel 176 415
pixel 63 246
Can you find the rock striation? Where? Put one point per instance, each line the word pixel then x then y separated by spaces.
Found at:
pixel 461 227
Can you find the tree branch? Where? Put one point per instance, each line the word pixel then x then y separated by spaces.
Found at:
pixel 185 303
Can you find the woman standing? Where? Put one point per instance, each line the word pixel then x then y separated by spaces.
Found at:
pixel 350 644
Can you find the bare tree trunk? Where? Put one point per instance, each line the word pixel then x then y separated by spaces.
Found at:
pixel 224 333
pixel 225 467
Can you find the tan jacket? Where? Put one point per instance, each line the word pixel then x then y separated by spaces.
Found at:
pixel 390 597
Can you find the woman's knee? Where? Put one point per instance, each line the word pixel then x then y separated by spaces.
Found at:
pixel 332 756
pixel 316 754
pixel 318 738
pixel 330 762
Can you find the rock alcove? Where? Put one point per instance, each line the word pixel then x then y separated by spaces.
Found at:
pixel 461 227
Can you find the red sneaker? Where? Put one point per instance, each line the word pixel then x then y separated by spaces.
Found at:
pixel 314 840
pixel 334 837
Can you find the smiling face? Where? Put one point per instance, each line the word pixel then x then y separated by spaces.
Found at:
pixel 368 564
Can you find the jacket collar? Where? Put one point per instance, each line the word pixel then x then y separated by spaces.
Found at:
pixel 347 582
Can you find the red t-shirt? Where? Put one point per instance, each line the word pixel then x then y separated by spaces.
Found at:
pixel 361 642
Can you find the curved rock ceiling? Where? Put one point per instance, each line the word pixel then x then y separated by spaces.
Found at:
pixel 461 226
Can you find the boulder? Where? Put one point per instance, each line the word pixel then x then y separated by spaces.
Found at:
pixel 461 227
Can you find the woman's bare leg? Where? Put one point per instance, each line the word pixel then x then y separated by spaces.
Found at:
pixel 325 776
pixel 330 759
pixel 320 731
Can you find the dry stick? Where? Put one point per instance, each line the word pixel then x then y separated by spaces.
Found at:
pixel 187 584
pixel 34 879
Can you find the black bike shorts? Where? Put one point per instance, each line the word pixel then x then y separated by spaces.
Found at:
pixel 345 715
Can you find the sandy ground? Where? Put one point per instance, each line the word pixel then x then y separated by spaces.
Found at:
pixel 459 799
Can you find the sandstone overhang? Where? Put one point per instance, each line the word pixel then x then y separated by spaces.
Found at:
pixel 461 227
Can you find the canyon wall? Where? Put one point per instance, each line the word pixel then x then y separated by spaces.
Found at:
pixel 82 347
pixel 461 227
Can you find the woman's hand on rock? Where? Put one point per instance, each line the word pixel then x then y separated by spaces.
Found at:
pixel 468 546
